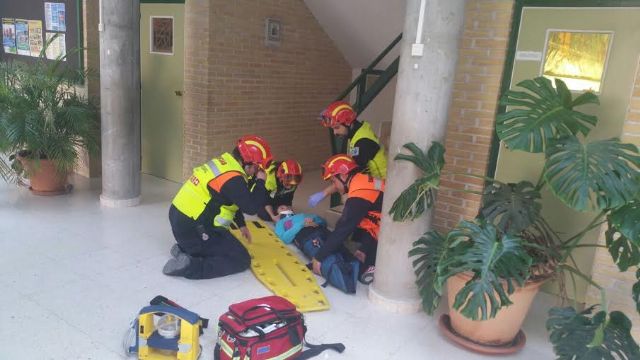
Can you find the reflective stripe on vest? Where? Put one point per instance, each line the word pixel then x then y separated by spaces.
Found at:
pixel 378 165
pixel 194 196
pixel 369 188
pixel 270 183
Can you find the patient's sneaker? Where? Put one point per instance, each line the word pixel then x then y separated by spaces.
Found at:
pixel 367 276
pixel 175 250
pixel 177 266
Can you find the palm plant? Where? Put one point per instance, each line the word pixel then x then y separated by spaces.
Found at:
pixel 42 115
pixel 510 243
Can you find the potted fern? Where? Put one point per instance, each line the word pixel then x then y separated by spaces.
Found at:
pixel 44 122
pixel 493 265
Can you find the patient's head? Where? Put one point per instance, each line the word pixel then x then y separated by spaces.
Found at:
pixel 284 211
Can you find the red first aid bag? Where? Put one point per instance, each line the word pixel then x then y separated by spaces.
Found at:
pixel 262 329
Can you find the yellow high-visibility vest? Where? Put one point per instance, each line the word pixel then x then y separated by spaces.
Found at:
pixel 377 166
pixel 270 183
pixel 194 196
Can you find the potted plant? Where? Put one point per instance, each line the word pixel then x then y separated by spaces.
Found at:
pixel 44 122
pixel 493 265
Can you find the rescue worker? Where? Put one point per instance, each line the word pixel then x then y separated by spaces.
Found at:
pixel 212 199
pixel 283 178
pixel 360 217
pixel 363 144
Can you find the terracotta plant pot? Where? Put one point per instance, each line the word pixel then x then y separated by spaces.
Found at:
pixel 500 331
pixel 44 177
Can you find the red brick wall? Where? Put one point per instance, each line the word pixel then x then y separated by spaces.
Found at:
pixel 473 108
pixel 197 84
pixel 239 86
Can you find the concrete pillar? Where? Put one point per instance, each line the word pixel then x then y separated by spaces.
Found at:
pixel 120 102
pixel 423 95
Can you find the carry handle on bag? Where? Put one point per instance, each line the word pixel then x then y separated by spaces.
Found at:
pixel 265 328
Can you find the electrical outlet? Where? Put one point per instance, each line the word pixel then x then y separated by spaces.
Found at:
pixel 417 49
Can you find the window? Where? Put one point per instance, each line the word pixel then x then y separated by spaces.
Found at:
pixel 161 35
pixel 577 58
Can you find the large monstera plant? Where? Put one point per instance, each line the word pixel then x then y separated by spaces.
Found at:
pixel 510 243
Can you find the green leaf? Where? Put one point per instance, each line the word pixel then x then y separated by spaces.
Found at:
pixel 542 114
pixel 596 176
pixel 419 196
pixel 626 220
pixel 428 252
pixel 415 199
pixel 585 337
pixel 497 262
pixel 511 207
pixel 624 253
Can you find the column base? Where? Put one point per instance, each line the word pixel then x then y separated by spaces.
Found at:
pixel 398 306
pixel 118 203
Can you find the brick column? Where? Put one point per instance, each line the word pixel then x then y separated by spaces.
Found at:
pixel 197 84
pixel 473 108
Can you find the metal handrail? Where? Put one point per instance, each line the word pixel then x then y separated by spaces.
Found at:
pixel 365 96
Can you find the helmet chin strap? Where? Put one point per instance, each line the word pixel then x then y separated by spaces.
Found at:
pixel 346 183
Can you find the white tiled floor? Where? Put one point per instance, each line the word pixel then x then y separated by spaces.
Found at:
pixel 74 274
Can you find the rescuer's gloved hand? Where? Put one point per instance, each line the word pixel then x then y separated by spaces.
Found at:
pixel 315 199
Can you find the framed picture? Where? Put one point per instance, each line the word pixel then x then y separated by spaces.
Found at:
pixel 161 33
pixel 273 32
pixel 577 57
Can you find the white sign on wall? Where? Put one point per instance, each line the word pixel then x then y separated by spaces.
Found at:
pixel 529 55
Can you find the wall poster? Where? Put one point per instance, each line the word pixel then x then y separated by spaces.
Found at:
pixel 55 16
pixel 56 48
pixel 22 37
pixel 35 37
pixel 9 36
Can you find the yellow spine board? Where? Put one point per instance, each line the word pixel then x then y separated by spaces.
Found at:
pixel 280 270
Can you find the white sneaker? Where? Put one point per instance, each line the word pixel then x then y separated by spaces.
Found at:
pixel 367 276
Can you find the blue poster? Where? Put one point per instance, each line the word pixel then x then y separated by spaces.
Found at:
pixel 9 36
pixel 55 17
pixel 22 37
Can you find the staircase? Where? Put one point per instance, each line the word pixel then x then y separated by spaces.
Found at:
pixel 366 91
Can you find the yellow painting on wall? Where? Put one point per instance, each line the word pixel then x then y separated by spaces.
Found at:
pixel 577 58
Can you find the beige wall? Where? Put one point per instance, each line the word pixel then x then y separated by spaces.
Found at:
pixel 235 85
pixel 605 272
pixel 473 107
pixel 361 29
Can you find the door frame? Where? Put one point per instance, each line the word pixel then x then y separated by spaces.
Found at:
pixel 509 63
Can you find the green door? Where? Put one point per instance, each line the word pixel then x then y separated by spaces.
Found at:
pixel 162 75
pixel 611 35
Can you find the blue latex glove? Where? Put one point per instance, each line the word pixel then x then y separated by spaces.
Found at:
pixel 315 199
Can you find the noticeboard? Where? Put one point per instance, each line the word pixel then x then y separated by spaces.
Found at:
pixel 28 24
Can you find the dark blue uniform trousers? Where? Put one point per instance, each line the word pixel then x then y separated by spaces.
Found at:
pixel 222 254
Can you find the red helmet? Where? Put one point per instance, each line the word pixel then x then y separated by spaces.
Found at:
pixel 289 172
pixel 338 164
pixel 338 113
pixel 255 150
